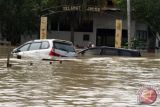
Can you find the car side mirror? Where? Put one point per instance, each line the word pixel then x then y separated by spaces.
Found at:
pixel 17 50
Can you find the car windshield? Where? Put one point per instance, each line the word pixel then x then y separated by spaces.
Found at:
pixel 63 46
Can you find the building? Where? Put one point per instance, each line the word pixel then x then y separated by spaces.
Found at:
pixel 100 29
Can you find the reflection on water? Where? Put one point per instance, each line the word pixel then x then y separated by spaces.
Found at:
pixel 87 82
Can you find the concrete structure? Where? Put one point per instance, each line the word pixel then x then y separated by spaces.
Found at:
pixel 103 30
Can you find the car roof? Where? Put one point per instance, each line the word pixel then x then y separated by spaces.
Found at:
pixel 106 47
pixel 103 47
pixel 40 40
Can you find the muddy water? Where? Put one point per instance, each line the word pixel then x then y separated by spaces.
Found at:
pixel 83 82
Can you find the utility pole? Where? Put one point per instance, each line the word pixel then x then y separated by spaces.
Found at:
pixel 129 22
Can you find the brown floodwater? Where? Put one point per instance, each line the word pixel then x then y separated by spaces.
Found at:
pixel 81 82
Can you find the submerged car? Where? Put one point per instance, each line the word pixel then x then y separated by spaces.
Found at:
pixel 109 51
pixel 45 49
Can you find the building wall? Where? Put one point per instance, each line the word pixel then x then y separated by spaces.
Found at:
pixel 65 35
pixel 108 21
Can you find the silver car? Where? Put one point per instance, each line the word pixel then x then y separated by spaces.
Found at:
pixel 45 49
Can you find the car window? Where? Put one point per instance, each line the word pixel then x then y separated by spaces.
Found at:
pixel 125 53
pixel 45 45
pixel 63 46
pixel 108 51
pixel 24 47
pixel 35 46
pixel 94 51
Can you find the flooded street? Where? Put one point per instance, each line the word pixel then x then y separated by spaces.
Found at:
pixel 82 82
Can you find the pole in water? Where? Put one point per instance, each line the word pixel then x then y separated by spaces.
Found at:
pixel 50 62
pixel 60 61
pixel 8 56
pixel 129 22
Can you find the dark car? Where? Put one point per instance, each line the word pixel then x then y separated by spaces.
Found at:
pixel 110 51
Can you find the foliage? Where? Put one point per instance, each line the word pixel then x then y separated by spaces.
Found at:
pixel 19 17
pixel 135 44
pixel 146 11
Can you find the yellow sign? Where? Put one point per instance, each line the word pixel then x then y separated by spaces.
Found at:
pixel 43 28
pixel 118 34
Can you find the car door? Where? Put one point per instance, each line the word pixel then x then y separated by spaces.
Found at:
pixel 109 52
pixel 23 50
pixel 125 53
pixel 45 50
pixel 33 50
pixel 92 52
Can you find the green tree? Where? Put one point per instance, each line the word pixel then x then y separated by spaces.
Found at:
pixel 146 11
pixel 19 18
